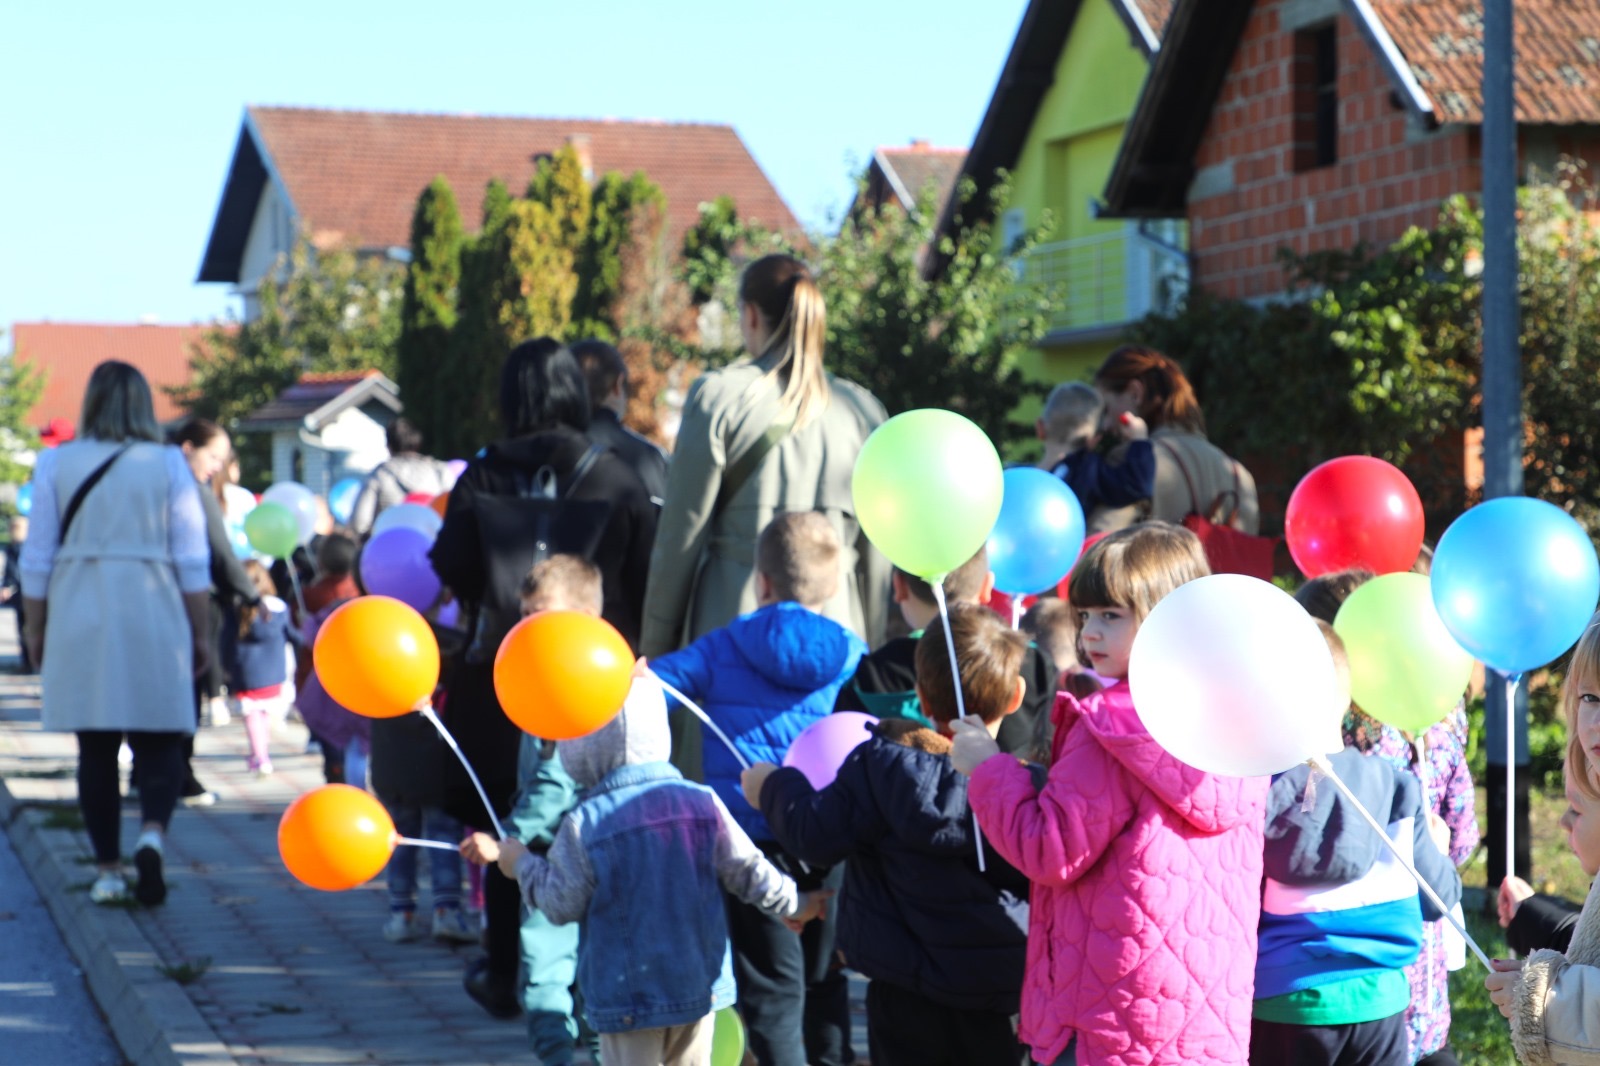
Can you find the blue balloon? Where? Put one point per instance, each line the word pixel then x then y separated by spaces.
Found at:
pixel 1038 535
pixel 25 499
pixel 342 499
pixel 1515 581
pixel 239 541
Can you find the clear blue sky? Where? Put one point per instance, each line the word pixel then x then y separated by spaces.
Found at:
pixel 117 121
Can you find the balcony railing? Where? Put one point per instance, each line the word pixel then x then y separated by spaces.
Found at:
pixel 1109 279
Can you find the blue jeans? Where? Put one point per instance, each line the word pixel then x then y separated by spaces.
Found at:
pixel 424 823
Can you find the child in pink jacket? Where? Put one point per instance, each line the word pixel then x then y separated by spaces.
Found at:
pixel 1146 872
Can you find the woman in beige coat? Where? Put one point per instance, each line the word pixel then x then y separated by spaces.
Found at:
pixel 770 434
pixel 1192 474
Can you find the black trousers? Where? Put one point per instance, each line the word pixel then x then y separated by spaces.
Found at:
pixel 905 1028
pixel 159 757
pixel 502 918
pixel 1379 1043
pixel 1494 829
pixel 795 1002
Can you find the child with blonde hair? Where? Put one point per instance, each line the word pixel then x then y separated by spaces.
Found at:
pixel 1146 872
pixel 258 666
pixel 1552 999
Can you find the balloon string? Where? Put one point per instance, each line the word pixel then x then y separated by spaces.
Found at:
pixel 1016 613
pixel 961 703
pixel 426 710
pixel 294 583
pixel 1511 775
pixel 693 708
pixel 414 842
pixel 1319 762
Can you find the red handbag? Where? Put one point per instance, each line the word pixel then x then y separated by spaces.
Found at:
pixel 1228 550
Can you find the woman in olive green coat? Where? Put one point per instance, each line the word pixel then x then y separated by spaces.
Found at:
pixel 771 434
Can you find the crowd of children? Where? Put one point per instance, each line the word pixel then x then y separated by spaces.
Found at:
pixel 1038 882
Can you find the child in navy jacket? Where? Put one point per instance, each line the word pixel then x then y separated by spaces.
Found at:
pixel 942 942
pixel 257 661
pixel 763 679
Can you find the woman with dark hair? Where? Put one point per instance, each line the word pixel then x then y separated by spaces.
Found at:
pixel 544 405
pixel 116 578
pixel 1191 473
pixel 207 450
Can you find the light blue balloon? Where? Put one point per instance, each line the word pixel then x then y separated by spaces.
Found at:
pixel 1038 535
pixel 342 499
pixel 1515 580
pixel 240 541
pixel 25 499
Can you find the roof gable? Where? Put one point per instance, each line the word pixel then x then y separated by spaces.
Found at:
pixel 909 170
pixel 316 399
pixel 68 352
pixel 354 176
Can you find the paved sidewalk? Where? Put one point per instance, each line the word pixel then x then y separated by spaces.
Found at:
pixel 243 964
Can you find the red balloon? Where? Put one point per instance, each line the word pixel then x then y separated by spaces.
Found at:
pixel 1354 511
pixel 423 498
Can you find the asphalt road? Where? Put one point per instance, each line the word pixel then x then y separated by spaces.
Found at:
pixel 46 1014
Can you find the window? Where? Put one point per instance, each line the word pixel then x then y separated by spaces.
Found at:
pixel 1316 97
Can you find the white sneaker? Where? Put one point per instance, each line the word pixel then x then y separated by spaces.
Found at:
pixel 217 712
pixel 449 924
pixel 125 756
pixel 401 927
pixel 109 888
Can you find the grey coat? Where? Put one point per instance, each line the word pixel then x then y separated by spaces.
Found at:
pixel 702 568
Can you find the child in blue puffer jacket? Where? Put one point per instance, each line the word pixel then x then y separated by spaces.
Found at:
pixel 763 679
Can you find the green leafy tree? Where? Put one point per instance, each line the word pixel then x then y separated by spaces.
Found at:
pixel 428 309
pixel 323 311
pixel 709 247
pixel 618 202
pixel 21 385
pixel 477 343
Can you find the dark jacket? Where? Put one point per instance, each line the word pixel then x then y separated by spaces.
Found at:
pixel 1096 481
pixel 256 658
pixel 885 686
pixel 914 910
pixel 648 461
pixel 473 713
pixel 231 587
pixel 1543 922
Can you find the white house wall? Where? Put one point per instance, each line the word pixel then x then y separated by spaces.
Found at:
pixel 271 237
pixel 349 446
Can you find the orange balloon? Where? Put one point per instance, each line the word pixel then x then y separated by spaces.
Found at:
pixel 377 657
pixel 439 503
pixel 335 837
pixel 561 674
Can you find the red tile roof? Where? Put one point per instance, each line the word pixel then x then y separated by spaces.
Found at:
pixel 1156 13
pixel 1558 56
pixel 920 163
pixel 69 352
pixel 356 175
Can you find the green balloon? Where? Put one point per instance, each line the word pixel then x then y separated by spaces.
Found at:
pixel 272 530
pixel 727 1038
pixel 927 488
pixel 1405 668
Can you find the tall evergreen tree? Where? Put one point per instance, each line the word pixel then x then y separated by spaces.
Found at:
pixel 428 309
pixel 477 343
pixel 616 205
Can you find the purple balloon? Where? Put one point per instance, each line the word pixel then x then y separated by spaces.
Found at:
pixel 822 748
pixel 450 615
pixel 395 563
pixel 455 466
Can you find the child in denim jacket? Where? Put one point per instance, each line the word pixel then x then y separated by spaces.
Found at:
pixel 636 864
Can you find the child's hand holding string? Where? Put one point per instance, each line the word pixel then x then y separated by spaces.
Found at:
pixel 753 780
pixel 812 905
pixel 480 848
pixel 1502 983
pixel 972 744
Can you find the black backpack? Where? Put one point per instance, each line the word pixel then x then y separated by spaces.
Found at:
pixel 515 531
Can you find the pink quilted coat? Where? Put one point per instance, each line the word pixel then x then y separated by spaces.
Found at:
pixel 1146 892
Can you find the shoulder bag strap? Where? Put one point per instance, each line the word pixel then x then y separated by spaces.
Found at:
pixel 83 491
pixel 585 464
pixel 1172 450
pixel 739 473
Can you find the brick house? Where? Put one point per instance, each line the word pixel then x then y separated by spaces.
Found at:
pixel 352 178
pixel 1318 124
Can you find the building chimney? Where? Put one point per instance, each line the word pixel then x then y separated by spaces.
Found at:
pixel 920 144
pixel 580 146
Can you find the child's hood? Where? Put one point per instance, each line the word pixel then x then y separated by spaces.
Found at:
pixel 1330 843
pixel 796 648
pixel 1211 803
pixel 638 734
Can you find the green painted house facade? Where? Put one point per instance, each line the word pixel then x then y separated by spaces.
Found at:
pixel 1055 122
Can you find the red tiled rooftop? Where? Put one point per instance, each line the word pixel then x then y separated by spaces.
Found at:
pixel 920 163
pixel 356 175
pixel 68 352
pixel 1558 56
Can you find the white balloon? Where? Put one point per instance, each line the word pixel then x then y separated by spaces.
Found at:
pixel 301 502
pixel 1232 676
pixel 415 516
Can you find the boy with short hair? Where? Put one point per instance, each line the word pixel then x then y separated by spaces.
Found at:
pixel 546 794
pixel 635 863
pixel 885 684
pixel 1069 426
pixel 1340 917
pixel 763 679
pixel 943 944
